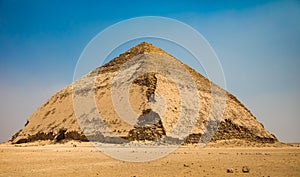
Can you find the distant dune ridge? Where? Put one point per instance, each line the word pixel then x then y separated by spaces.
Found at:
pixel 155 99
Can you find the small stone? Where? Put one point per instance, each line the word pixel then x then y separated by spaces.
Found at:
pixel 185 165
pixel 245 169
pixel 229 170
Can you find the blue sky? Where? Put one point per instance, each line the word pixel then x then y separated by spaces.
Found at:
pixel 257 42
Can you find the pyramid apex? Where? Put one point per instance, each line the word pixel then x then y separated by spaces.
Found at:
pixel 144 47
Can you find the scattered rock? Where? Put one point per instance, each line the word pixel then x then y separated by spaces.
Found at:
pixel 229 170
pixel 149 127
pixel 61 135
pixel 245 169
pixel 186 165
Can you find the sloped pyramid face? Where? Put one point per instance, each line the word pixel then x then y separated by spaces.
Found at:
pixel 167 100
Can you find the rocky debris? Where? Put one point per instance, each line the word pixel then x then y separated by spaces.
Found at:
pixel 245 169
pixel 193 138
pixel 171 140
pixel 61 135
pixel 74 135
pixel 229 170
pixel 36 137
pixel 228 130
pixel 149 127
pixel 185 165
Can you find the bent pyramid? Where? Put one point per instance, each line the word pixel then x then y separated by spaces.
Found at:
pixel 170 104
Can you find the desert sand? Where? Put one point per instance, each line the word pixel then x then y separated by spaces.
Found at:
pixel 190 160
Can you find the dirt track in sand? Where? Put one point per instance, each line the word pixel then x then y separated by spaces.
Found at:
pixel 85 160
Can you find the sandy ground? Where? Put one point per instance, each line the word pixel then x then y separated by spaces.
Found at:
pixel 84 160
